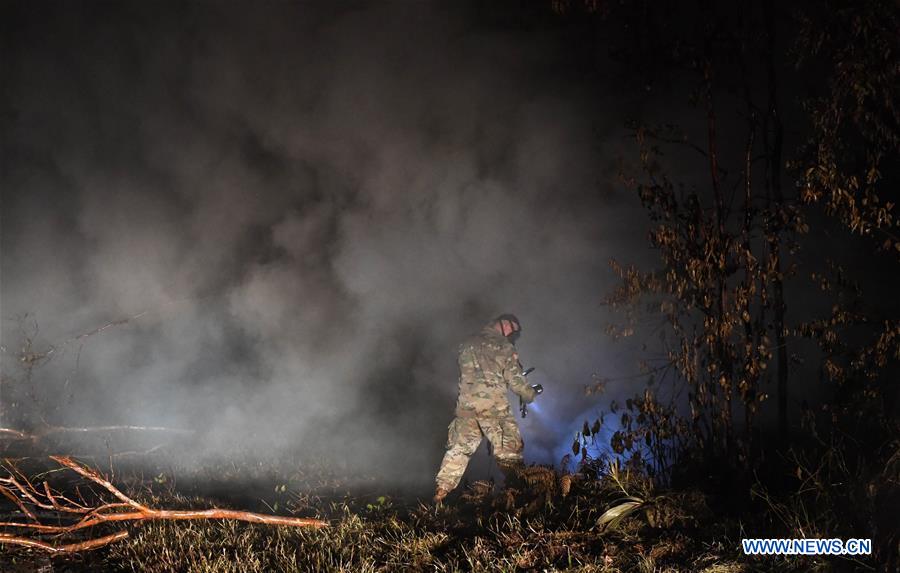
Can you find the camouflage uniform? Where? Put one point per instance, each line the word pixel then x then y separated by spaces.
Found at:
pixel 488 365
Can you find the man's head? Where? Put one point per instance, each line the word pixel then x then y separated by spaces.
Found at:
pixel 508 325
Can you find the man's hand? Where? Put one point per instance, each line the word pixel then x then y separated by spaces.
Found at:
pixel 523 401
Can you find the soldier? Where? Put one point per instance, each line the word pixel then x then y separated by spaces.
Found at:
pixel 488 365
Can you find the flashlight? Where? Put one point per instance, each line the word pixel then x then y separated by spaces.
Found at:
pixel 537 390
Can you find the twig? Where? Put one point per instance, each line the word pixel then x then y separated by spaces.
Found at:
pixel 146 452
pixel 95 477
pixel 69 548
pixel 22 507
pixel 34 357
pixel 15 433
pixel 50 430
pixel 59 430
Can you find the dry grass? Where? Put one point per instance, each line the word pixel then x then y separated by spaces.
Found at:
pixel 475 531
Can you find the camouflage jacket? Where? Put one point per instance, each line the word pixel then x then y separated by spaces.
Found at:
pixel 488 365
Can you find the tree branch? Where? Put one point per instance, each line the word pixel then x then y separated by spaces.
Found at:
pixel 18 489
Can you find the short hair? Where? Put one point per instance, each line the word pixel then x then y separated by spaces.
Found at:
pixel 509 318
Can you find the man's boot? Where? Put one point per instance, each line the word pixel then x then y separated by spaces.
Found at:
pixel 439 494
pixel 512 486
pixel 512 475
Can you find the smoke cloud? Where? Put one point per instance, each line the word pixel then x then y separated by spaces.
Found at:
pixel 313 206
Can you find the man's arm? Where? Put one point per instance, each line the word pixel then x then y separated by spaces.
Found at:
pixel 512 375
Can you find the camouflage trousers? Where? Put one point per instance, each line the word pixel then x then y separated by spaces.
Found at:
pixel 465 436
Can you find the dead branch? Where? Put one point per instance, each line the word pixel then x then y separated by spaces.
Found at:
pixel 31 358
pixel 50 430
pixel 18 489
pixel 68 430
pixel 149 514
pixel 16 436
pixel 127 453
pixel 94 476
pixel 68 548
pixel 22 507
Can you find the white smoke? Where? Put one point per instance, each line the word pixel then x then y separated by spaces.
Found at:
pixel 313 206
